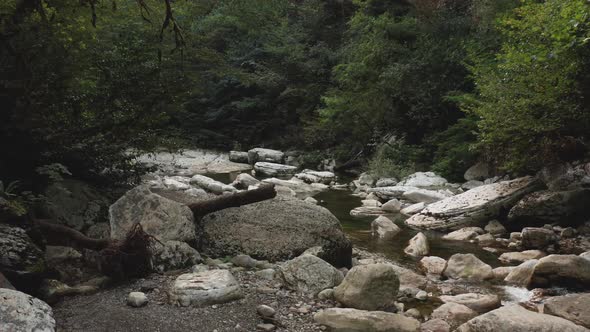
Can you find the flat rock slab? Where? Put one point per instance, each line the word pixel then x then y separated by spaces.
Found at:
pixel 515 318
pixel 205 288
pixel 353 320
pixel 473 207
pixel 573 307
pixel 478 302
pixel 272 169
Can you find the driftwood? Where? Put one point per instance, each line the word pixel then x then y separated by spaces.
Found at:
pixel 131 257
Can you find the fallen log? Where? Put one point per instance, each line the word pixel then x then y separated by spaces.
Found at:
pixel 131 257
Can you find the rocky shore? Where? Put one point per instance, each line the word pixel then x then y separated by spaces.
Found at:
pixel 287 265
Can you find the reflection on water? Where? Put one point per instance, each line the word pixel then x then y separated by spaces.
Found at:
pixel 340 202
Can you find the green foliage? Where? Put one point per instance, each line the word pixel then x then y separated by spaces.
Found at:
pixel 397 159
pixel 531 92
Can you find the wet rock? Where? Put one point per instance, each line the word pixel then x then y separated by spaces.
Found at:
pixel 137 299
pixel 433 265
pixel 368 287
pixel 474 206
pixel 267 230
pixel 551 206
pixel 480 303
pixel 265 155
pixel 454 314
pixel 238 157
pixel 515 318
pixel 522 274
pixel 424 179
pixel 479 171
pixel 310 274
pixel 392 205
pixel 564 270
pixel 573 307
pixel 520 257
pixel 537 238
pixel 353 320
pixel 384 228
pixel 272 169
pixel 52 291
pixel 464 234
pixel 160 217
pixel 467 266
pixel 205 288
pixel 418 246
pixel 423 195
pixel 244 180
pixel 20 312
pixel 173 255
pixel 413 209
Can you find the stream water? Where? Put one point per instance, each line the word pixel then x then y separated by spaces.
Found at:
pixel 341 202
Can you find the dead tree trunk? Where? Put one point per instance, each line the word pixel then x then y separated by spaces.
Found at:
pixel 131 256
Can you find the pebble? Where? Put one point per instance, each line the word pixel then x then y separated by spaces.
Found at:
pixel 422 295
pixel 266 327
pixel 265 311
pixel 137 299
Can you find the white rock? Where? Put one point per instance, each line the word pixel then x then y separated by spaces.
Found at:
pixel 137 299
pixel 521 257
pixel 423 179
pixel 211 185
pixel 384 228
pixel 418 246
pixel 311 200
pixel 522 274
pixel 480 303
pixel 265 155
pixel 433 265
pixel 173 184
pixel 353 320
pixel 368 287
pixel 238 156
pixel 467 266
pixel 453 313
pixel 371 203
pixel 423 195
pixel 310 274
pixel 393 205
pixel 272 169
pixel 388 193
pixel 413 209
pixel 244 181
pixel 205 288
pixel 20 312
pixel 479 171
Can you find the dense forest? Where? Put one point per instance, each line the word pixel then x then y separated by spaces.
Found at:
pixel 405 84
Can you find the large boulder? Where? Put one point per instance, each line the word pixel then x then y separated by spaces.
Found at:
pixel 21 261
pixel 160 217
pixel 423 179
pixel 384 228
pixel 480 303
pixel 272 169
pixel 432 265
pixel 567 270
pixel 464 234
pixel 515 318
pixel 479 171
pixel 20 312
pixel 310 176
pixel 560 177
pixel 211 185
pixel 75 204
pixel 573 307
pixel 521 256
pixel 310 274
pixel 245 180
pixel 265 155
pixel 368 287
pixel 353 320
pixel 205 288
pixel 474 207
pixel 542 207
pixel 276 229
pixel 467 266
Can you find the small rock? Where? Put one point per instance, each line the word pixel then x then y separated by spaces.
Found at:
pixel 467 266
pixel 413 209
pixel 266 327
pixel 326 294
pixel 384 228
pixel 418 246
pixel 267 274
pixel 265 311
pixel 392 205
pixel 433 265
pixel 137 299
pixel 435 325
pixel 414 313
pixel 568 232
pixel 495 228
pixel 244 261
pixel 311 200
pixel 453 313
pixel 422 296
